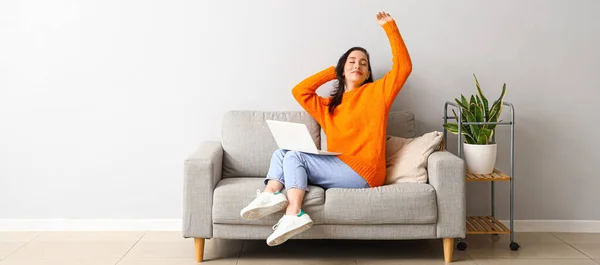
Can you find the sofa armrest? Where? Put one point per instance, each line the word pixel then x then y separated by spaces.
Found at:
pixel 447 176
pixel 202 172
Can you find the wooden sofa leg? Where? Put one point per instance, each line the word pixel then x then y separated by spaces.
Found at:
pixel 199 247
pixel 448 249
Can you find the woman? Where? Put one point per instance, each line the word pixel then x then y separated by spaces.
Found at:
pixel 354 119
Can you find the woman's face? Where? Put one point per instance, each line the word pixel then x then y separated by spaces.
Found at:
pixel 356 70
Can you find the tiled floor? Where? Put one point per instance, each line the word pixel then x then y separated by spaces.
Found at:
pixel 169 248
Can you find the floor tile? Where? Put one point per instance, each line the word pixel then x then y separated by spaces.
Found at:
pixel 162 250
pixel 90 236
pixel 295 249
pixel 297 252
pixel 154 236
pixel 6 248
pixel 17 236
pixel 175 261
pixel 591 250
pixel 58 261
pixel 535 262
pixel 413 261
pixel 295 261
pixel 74 249
pixel 527 250
pixel 523 238
pixel 579 237
pixel 213 249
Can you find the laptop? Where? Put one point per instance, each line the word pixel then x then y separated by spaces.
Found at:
pixel 294 136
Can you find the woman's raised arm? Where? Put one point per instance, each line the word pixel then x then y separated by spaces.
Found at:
pixel 392 82
pixel 306 95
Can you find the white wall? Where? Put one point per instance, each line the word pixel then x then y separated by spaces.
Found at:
pixel 101 101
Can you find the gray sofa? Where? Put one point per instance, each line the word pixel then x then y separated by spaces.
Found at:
pixel 222 177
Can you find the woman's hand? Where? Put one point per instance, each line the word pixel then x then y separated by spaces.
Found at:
pixel 383 17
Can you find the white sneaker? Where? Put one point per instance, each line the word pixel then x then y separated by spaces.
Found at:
pixel 265 204
pixel 289 226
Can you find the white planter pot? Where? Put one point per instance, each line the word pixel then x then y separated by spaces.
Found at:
pixel 480 159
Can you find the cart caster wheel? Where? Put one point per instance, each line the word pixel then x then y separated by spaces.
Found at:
pixel 514 246
pixel 461 245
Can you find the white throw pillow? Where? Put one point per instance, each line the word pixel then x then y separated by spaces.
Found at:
pixel 406 158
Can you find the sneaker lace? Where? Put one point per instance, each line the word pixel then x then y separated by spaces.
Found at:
pixel 277 224
pixel 261 197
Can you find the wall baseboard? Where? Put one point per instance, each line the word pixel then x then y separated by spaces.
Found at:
pixel 576 226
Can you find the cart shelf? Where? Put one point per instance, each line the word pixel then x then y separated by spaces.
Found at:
pixel 497 175
pixel 485 225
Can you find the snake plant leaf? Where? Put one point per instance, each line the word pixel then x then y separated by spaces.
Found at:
pixel 484 136
pixel 461 104
pixel 456 115
pixel 479 112
pixel 452 127
pixel 481 138
pixel 464 101
pixel 463 119
pixel 479 107
pixel 469 139
pixel 494 113
pixel 500 99
pixel 474 127
pixel 483 98
pixel 497 108
pixel 466 130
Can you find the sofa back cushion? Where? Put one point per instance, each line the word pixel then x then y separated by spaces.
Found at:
pixel 247 141
pixel 401 124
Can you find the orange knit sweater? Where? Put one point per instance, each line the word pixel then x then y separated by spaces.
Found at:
pixel 357 128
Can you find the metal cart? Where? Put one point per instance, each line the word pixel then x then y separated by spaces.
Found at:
pixel 487 224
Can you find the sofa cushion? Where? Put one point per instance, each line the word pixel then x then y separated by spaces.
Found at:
pixel 247 141
pixel 231 195
pixel 401 124
pixel 402 203
pixel 406 158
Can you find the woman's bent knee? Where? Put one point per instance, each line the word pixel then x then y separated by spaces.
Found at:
pixel 291 155
pixel 279 152
pixel 297 186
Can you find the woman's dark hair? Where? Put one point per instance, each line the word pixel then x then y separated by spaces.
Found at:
pixel 338 93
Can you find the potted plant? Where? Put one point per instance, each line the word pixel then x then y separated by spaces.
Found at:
pixel 479 150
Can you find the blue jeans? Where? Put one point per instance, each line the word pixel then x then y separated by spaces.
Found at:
pixel 297 170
